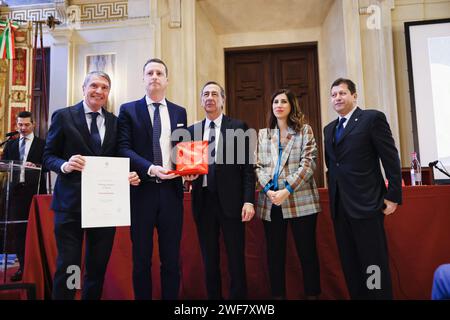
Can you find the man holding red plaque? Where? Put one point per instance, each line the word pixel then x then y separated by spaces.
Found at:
pixel 222 200
pixel 145 129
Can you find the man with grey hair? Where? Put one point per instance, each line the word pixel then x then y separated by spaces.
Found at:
pixel 85 129
pixel 223 199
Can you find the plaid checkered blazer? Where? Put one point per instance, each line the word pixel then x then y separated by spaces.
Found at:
pixel 296 168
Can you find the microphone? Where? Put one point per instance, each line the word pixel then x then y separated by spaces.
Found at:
pixel 432 164
pixel 12 133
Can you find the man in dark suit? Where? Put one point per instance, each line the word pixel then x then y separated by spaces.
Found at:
pixel 85 129
pixel 354 145
pixel 27 148
pixel 223 200
pixel 145 129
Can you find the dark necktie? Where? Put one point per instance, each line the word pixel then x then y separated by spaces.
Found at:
pixel 157 154
pixel 22 148
pixel 96 141
pixel 211 177
pixel 339 129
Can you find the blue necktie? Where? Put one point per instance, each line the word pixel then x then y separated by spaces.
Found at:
pixel 22 148
pixel 210 178
pixel 96 141
pixel 339 129
pixel 157 154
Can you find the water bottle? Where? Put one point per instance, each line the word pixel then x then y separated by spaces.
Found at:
pixel 416 170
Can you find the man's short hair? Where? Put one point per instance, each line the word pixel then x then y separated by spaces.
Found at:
pixel 157 61
pixel 25 114
pixel 100 74
pixel 350 84
pixel 222 91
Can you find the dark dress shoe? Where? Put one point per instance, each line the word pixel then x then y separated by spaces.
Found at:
pixel 16 276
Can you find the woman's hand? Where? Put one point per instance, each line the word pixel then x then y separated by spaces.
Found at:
pixel 278 197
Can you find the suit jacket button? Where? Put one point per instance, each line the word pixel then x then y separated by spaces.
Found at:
pixel 337 164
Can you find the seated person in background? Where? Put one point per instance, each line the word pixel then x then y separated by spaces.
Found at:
pixel 441 283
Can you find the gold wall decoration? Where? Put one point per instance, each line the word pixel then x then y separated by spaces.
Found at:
pixel 16 80
pixel 104 11
pixel 18 95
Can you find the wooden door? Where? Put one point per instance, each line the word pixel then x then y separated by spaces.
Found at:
pixel 252 75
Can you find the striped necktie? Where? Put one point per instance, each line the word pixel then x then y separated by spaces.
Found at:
pixel 22 148
pixel 96 141
pixel 211 176
pixel 157 153
pixel 339 129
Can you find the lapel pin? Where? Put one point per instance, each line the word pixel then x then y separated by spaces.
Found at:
pixel 356 119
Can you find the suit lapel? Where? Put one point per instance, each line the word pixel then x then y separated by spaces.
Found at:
pixel 172 116
pixel 143 114
pixel 200 127
pixel 32 150
pixel 352 123
pixel 109 124
pixel 274 146
pixel 221 145
pixel 173 119
pixel 329 135
pixel 287 149
pixel 79 118
pixel 15 154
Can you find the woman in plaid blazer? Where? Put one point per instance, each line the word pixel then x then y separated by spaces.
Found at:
pixel 285 165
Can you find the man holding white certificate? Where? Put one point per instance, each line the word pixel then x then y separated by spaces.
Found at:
pixel 77 132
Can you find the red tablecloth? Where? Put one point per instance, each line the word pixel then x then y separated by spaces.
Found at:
pixel 418 240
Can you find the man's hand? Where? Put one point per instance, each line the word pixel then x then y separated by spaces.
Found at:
pixel 75 163
pixel 248 211
pixel 390 207
pixel 161 173
pixel 277 197
pixel 30 164
pixel 133 178
pixel 190 177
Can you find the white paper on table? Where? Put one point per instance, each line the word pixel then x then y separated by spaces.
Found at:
pixel 105 192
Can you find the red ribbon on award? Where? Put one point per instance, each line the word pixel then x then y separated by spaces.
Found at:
pixel 192 158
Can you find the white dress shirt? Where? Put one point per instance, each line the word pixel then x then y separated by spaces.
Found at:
pixel 28 141
pixel 166 132
pixel 100 120
pixel 347 116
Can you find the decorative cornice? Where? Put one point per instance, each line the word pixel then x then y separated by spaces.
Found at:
pixel 104 11
pixel 30 13
pixel 88 12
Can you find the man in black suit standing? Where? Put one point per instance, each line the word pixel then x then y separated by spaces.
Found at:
pixel 145 136
pixel 28 148
pixel 85 129
pixel 222 200
pixel 354 145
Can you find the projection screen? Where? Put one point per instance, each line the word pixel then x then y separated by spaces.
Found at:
pixel 428 54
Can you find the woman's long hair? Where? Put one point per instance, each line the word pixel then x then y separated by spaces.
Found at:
pixel 296 118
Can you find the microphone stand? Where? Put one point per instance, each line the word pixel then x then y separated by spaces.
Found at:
pixel 448 175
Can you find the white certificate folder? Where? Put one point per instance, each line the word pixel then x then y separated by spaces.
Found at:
pixel 105 192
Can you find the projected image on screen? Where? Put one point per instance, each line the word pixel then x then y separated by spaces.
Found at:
pixel 439 49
